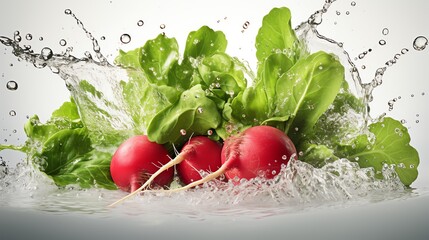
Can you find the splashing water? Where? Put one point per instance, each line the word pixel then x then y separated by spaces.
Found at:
pixel 297 183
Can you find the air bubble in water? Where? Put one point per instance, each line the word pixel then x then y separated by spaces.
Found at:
pixel 162 26
pixel 353 3
pixel 28 36
pixel 420 43
pixel 210 132
pixel 102 38
pixel 385 31
pixel 63 42
pixel 46 53
pixel 182 132
pixel 12 85
pixel 125 38
pixel 67 11
pixel 40 38
pixel 382 42
pixel 12 113
pixel 140 23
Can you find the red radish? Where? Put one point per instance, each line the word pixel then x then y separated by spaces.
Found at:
pixel 257 150
pixel 135 160
pixel 200 153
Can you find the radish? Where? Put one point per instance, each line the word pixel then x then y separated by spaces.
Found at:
pixel 136 160
pixel 259 150
pixel 200 153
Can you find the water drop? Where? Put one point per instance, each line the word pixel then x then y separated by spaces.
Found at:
pixel 210 132
pixel 284 157
pixel 102 38
pixel 46 53
pixel 40 38
pixel 140 23
pixel 363 67
pixel 63 42
pixel 403 121
pixel 125 38
pixel 246 24
pixel 404 50
pixel 12 113
pixel 353 3
pixel 338 13
pixel 347 13
pixel 382 42
pixel 417 121
pixel 12 85
pixel 67 11
pixel 182 132
pixel 28 36
pixel 162 26
pixel 385 31
pixel 17 38
pixel 200 110
pixel 420 43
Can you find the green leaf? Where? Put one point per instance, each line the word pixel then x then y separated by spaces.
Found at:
pixel 158 57
pixel 318 155
pixel 307 90
pixel 277 35
pixel 193 112
pixel 391 145
pixel 90 170
pixel 63 148
pixel 204 42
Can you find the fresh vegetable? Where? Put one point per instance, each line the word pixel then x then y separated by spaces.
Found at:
pixel 172 96
pixel 259 151
pixel 136 160
pixel 200 154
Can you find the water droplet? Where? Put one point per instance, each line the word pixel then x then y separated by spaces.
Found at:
pixel 382 42
pixel 162 26
pixel 182 132
pixel 12 113
pixel 385 31
pixel 403 121
pixel 246 24
pixel 140 23
pixel 423 93
pixel 12 85
pixel 284 157
pixel 363 67
pixel 67 11
pixel 404 50
pixel 40 38
pixel 200 110
pixel 63 42
pixel 353 3
pixel 102 38
pixel 417 121
pixel 46 53
pixel 28 36
pixel 274 172
pixel 420 43
pixel 125 38
pixel 210 132
pixel 347 13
